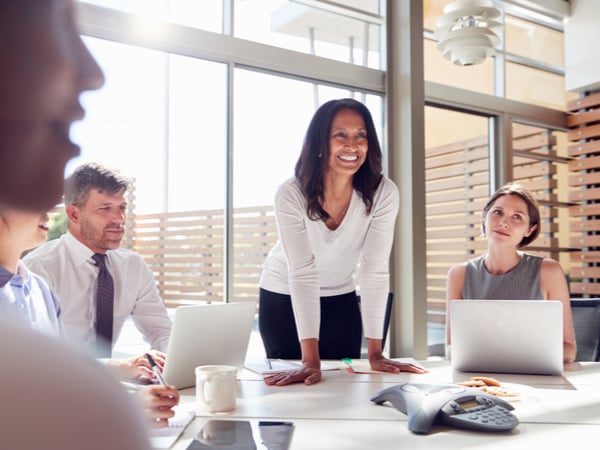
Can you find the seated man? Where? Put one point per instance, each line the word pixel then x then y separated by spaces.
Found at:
pixel 79 264
pixel 25 299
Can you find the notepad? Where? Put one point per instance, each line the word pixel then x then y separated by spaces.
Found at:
pixel 163 438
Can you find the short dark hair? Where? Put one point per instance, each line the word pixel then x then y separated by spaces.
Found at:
pixel 93 176
pixel 314 157
pixel 533 209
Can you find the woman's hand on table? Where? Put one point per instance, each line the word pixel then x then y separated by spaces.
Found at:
pixel 305 374
pixel 383 364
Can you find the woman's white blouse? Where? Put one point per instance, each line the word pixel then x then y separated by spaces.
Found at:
pixel 310 260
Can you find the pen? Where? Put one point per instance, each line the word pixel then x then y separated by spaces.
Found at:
pixel 268 361
pixel 155 369
pixel 348 363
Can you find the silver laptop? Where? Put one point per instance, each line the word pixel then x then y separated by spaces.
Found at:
pixel 207 334
pixel 510 336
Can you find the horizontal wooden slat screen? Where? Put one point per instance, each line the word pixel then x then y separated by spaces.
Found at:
pixel 184 249
pixel 584 183
pixel 537 167
pixel 457 188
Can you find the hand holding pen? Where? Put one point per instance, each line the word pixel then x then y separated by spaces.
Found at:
pixel 159 400
pixel 155 369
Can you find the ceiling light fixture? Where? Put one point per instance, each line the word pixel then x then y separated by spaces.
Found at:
pixel 466 31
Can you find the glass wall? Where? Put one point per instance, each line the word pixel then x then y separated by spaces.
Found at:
pixel 349 31
pixel 457 172
pixel 478 78
pixel 125 121
pixel 207 144
pixel 209 120
pixel 204 15
pixel 528 66
pixel 271 114
pixel 469 135
pixel 161 121
pixel 536 87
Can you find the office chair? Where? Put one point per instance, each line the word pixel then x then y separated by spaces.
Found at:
pixel 586 323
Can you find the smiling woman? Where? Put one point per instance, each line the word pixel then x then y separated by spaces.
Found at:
pixel 335 216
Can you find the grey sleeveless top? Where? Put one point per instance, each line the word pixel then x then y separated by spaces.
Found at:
pixel 521 283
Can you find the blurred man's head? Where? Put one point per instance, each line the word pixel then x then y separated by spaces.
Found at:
pixel 45 68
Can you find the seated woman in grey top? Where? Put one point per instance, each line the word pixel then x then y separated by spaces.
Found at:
pixel 511 221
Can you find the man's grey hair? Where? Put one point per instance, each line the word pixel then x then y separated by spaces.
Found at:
pixel 93 176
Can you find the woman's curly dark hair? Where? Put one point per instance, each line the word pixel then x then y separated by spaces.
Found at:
pixel 314 158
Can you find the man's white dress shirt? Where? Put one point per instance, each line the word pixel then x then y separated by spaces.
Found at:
pixel 67 266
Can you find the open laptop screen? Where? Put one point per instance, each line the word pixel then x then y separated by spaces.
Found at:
pixel 218 333
pixel 512 336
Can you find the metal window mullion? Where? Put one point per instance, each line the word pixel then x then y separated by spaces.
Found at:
pixel 228 234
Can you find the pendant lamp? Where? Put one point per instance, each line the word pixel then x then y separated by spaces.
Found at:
pixel 466 31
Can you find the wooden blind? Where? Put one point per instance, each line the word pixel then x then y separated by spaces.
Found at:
pixel 185 251
pixel 584 191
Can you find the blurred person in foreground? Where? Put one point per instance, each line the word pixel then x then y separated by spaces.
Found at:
pixel 53 397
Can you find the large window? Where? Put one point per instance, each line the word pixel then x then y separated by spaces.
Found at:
pixel 457 184
pixel 201 14
pixel 161 121
pixel 125 122
pixel 209 118
pixel 349 31
pixel 487 133
pixel 207 143
pixel 528 66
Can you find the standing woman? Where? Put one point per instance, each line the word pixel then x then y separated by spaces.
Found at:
pixel 511 221
pixel 335 215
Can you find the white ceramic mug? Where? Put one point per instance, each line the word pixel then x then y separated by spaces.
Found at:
pixel 216 388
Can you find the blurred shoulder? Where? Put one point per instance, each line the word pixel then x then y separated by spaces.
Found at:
pixel 91 400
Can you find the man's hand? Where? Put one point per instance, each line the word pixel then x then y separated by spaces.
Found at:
pixel 138 368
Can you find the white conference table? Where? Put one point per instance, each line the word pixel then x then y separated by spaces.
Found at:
pixel 337 413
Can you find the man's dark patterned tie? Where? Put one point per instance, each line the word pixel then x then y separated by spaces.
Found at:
pixel 104 308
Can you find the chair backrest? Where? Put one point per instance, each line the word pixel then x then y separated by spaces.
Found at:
pixel 586 323
pixel 388 316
